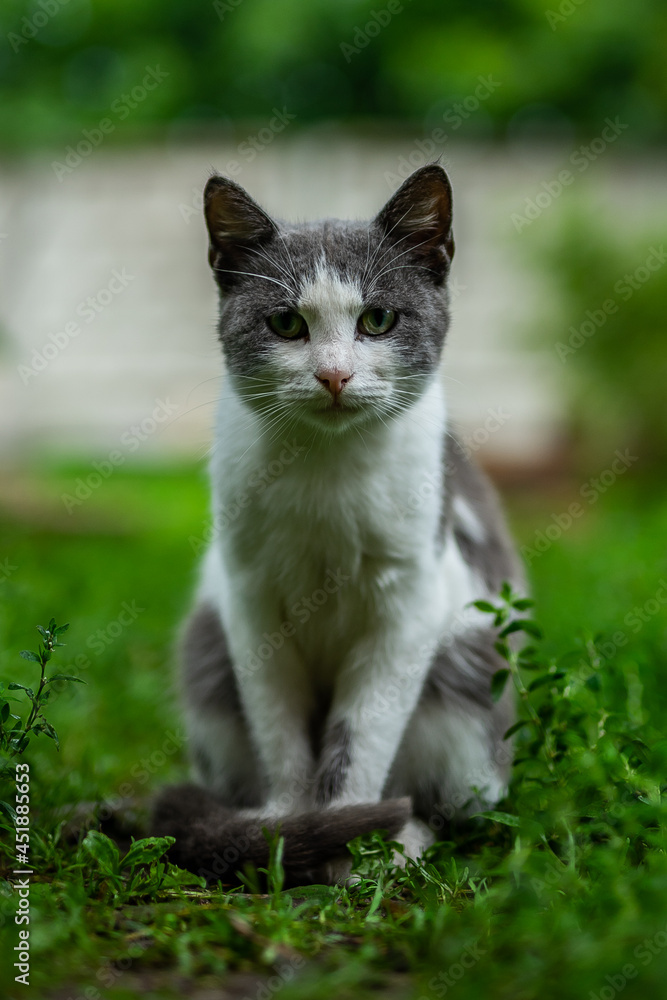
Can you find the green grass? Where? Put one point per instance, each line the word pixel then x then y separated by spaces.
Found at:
pixel 569 899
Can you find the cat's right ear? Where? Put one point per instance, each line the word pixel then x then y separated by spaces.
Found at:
pixel 236 224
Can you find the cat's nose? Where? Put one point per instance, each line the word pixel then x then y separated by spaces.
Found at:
pixel 333 379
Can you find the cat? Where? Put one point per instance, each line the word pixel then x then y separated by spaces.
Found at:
pixel 336 678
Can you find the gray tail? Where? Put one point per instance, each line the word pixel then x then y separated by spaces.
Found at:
pixel 217 842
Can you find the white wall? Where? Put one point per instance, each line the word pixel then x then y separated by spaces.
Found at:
pixel 128 210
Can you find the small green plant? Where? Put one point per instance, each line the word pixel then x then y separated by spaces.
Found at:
pixel 139 873
pixel 15 732
pixel 587 772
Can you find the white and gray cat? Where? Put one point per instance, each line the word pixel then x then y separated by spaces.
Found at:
pixel 336 678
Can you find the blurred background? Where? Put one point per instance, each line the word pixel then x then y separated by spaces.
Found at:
pixel 550 121
pixel 550 116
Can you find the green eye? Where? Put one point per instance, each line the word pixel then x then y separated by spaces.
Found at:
pixel 287 323
pixel 376 321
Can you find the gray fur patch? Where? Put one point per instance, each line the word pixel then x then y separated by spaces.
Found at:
pixel 462 671
pixel 492 556
pixel 334 762
pixel 210 688
pixel 207 668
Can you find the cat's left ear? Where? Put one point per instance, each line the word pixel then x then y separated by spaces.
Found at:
pixel 418 218
pixel 236 224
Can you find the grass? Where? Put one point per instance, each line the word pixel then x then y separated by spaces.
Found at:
pixel 562 892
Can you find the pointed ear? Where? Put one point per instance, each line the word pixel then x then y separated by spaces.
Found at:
pixel 235 225
pixel 419 218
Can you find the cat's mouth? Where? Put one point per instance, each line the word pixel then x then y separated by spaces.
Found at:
pixel 336 411
pixel 340 411
pixel 339 407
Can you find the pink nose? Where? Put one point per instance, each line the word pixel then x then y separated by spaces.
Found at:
pixel 333 380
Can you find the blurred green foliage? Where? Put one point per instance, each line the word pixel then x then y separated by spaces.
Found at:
pixel 561 66
pixel 609 334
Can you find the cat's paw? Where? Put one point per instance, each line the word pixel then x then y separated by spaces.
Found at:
pixel 337 872
pixel 415 837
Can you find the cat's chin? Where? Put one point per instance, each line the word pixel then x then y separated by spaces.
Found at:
pixel 337 419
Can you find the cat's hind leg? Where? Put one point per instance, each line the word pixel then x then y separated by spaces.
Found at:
pixel 453 760
pixel 223 757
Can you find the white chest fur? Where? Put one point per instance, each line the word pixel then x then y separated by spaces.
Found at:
pixel 333 538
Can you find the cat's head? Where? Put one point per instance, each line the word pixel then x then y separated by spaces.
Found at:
pixel 333 323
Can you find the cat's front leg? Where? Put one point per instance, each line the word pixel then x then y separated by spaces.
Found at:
pixel 276 702
pixel 375 695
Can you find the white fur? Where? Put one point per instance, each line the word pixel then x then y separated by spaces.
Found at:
pixel 329 302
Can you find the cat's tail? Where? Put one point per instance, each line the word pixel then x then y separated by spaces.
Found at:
pixel 217 842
